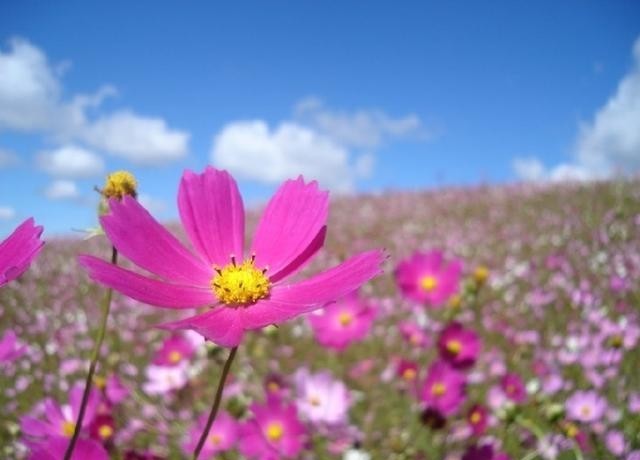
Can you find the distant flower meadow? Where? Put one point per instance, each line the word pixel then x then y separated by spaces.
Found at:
pixel 489 323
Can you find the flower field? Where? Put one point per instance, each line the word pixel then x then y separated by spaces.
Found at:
pixel 505 324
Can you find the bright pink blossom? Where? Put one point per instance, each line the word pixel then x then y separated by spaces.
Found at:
pixel 174 350
pixel 341 323
pixel 222 436
pixel 274 432
pixel 459 346
pixel 244 290
pixel 444 388
pixel 18 250
pixel 55 448
pixel 427 278
pixel 513 387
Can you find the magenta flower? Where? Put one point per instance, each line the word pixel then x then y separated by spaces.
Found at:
pixel 18 250
pixel 10 348
pixel 478 419
pixel 444 388
pixel 273 432
pixel 428 278
pixel 244 291
pixel 414 334
pixel 60 421
pixel 341 323
pixel 222 436
pixel 174 350
pixel 114 390
pixel 55 448
pixel 459 346
pixel 320 398
pixel 513 387
pixel 586 406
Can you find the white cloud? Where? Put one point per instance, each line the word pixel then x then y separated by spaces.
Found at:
pixel 253 151
pixel 31 101
pixel 70 161
pixel 608 145
pixel 8 158
pixel 364 165
pixel 359 129
pixel 62 190
pixel 7 213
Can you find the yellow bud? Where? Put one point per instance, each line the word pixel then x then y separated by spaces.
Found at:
pixel 119 184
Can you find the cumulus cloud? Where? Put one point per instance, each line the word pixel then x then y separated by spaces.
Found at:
pixel 251 150
pixel 7 213
pixel 31 100
pixel 361 128
pixel 71 162
pixel 607 145
pixel 62 190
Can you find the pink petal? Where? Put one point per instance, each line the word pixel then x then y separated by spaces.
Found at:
pixel 147 290
pixel 290 223
pixel 212 214
pixel 221 325
pixel 138 236
pixel 329 285
pixel 19 249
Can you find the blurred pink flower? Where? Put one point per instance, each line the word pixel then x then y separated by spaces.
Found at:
pixel 163 379
pixel 341 323
pixel 414 334
pixel 427 278
pixel 174 350
pixel 222 436
pixel 274 432
pixel 513 387
pixel 586 406
pixel 478 419
pixel 10 347
pixel 54 449
pixel 320 398
pixel 115 391
pixel 18 250
pixel 244 292
pixel 443 389
pixel 459 346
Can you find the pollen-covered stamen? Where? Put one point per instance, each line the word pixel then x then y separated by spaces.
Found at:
pixel 240 284
pixel 429 283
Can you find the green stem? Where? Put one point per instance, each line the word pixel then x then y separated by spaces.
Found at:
pixel 106 305
pixel 216 403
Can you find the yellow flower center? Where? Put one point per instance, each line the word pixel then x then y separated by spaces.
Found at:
pixel 274 431
pixel 475 417
pixel 240 284
pixel 571 430
pixel 99 382
pixel 345 318
pixel 215 439
pixel 616 341
pixel 314 401
pixel 409 374
pixel 438 389
pixel 429 283
pixel 105 431
pixel 175 357
pixel 68 428
pixel 585 411
pixel 454 346
pixel 273 387
pixel 481 273
pixel 119 184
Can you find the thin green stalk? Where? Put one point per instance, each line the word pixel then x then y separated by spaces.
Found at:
pixel 216 403
pixel 106 306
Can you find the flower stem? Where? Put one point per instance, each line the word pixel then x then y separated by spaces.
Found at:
pixel 106 305
pixel 216 403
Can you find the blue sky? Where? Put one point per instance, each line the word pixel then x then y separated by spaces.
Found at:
pixel 364 96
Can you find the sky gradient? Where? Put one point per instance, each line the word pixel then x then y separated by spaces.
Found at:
pixel 364 97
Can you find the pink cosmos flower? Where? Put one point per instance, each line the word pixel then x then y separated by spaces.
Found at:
pixel 55 448
pixel 222 436
pixel 513 387
pixel 341 323
pixel 586 406
pixel 321 398
pixel 478 419
pixel 60 421
pixel 164 379
pixel 444 388
pixel 10 348
pixel 414 334
pixel 115 390
pixel 274 432
pixel 459 346
pixel 174 350
pixel 244 291
pixel 428 278
pixel 18 250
